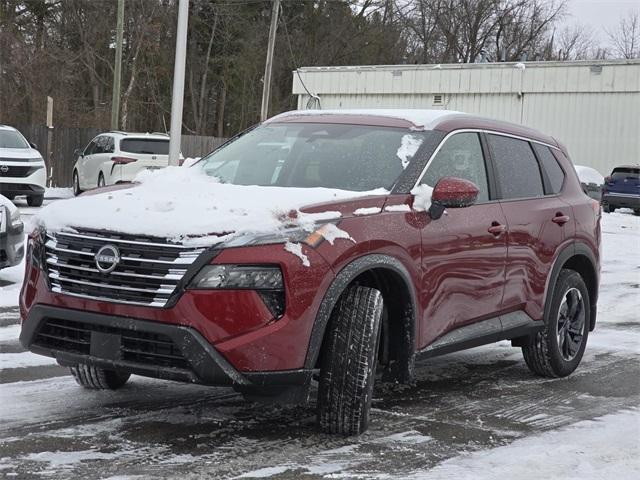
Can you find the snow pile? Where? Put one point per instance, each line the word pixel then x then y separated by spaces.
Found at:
pixel 422 197
pixel 409 145
pixel 58 192
pixel 185 204
pixel 607 447
pixel 589 175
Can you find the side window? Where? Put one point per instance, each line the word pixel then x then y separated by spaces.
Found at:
pixel 517 169
pixel 461 156
pixel 101 144
pixel 555 174
pixel 90 148
pixel 109 145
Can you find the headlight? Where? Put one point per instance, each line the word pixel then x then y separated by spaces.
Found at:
pixel 265 279
pixel 16 222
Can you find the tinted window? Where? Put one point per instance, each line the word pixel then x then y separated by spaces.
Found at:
pixel 460 156
pixel 101 145
pixel 306 155
pixel 555 174
pixel 11 139
pixel 145 146
pixel 626 173
pixel 91 147
pixel 516 167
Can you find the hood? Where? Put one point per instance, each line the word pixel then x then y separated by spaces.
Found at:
pixel 25 153
pixel 185 205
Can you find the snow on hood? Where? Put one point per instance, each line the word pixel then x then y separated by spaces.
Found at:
pixel 184 204
pixel 589 175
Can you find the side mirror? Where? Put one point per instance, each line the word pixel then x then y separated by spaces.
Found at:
pixel 77 153
pixel 33 145
pixel 452 192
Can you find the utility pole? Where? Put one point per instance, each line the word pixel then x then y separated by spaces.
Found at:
pixel 266 87
pixel 177 95
pixel 117 71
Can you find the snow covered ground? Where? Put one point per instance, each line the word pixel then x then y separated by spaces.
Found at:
pixel 477 414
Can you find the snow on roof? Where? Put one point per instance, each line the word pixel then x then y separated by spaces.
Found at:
pixel 6 127
pixel 185 205
pixel 589 175
pixel 423 119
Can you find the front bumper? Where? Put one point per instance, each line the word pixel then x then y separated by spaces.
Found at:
pixel 32 184
pixel 621 200
pixel 152 349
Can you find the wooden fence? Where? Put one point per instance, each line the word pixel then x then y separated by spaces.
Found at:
pixel 66 140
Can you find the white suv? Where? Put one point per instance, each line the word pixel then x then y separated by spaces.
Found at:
pixel 22 170
pixel 117 157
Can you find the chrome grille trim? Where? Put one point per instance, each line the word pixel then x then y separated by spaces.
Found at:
pixel 148 273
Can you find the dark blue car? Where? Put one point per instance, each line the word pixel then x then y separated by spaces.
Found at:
pixel 622 189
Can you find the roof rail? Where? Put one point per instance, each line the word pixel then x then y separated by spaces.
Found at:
pixel 160 133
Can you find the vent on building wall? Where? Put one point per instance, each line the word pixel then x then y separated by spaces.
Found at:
pixel 438 99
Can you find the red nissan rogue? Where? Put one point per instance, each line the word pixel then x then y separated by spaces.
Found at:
pixel 424 232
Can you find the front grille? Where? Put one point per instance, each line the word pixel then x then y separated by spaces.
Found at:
pixel 147 274
pixel 135 346
pixel 17 170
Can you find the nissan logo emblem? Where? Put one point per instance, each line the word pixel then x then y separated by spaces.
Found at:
pixel 107 258
pixel 4 168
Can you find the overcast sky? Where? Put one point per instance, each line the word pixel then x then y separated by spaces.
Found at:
pixel 599 14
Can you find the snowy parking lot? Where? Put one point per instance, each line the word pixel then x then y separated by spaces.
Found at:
pixel 474 414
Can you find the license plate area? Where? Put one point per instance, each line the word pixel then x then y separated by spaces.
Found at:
pixel 106 345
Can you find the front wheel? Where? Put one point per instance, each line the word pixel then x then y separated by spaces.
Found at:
pixel 35 200
pixel 94 378
pixel 608 208
pixel 556 351
pixel 636 212
pixel 349 362
pixel 101 182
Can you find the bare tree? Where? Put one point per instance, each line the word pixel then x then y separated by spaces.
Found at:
pixel 625 39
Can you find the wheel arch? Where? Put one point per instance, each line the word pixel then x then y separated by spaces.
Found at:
pixel 579 258
pixel 392 278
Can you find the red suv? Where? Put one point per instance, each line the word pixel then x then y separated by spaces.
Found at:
pixel 449 231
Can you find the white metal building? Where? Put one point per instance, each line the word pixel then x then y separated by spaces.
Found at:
pixel 593 107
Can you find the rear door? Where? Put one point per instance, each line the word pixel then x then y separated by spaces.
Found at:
pixel 538 220
pixel 84 162
pixel 463 262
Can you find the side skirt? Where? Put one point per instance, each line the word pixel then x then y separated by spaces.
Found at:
pixel 504 327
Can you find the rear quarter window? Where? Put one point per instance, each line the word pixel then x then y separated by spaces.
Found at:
pixel 516 166
pixel 145 146
pixel 555 174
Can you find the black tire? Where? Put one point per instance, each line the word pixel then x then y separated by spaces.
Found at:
pixel 95 378
pixel 608 208
pixel 35 200
pixel 349 362
pixel 636 212
pixel 76 184
pixel 101 182
pixel 548 355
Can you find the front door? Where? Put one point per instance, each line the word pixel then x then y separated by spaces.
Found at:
pixel 464 251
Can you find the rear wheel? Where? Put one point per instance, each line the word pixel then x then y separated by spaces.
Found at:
pixel 608 208
pixel 95 378
pixel 349 362
pixel 636 212
pixel 556 351
pixel 35 200
pixel 101 182
pixel 76 184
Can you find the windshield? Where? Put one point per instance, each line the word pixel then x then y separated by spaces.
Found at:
pixel 145 145
pixel 12 139
pixel 305 155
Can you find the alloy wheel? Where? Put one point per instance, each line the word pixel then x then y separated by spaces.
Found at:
pixel 571 324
